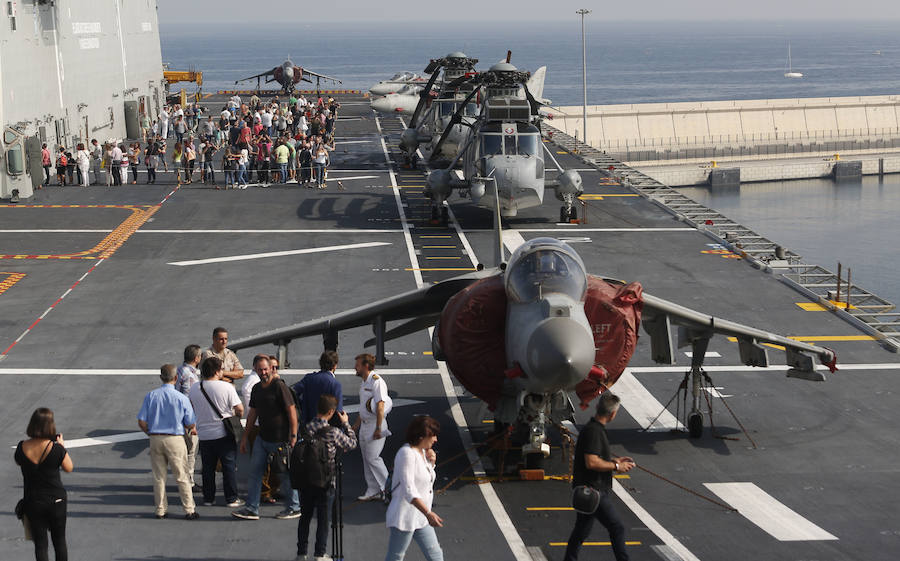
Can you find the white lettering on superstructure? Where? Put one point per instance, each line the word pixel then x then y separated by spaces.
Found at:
pixel 82 27
pixel 89 43
pixel 146 26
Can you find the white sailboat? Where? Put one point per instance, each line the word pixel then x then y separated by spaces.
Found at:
pixel 790 70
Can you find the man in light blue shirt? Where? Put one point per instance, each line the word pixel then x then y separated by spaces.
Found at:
pixel 166 415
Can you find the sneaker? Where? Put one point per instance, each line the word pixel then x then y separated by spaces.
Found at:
pixel 192 516
pixel 235 503
pixel 301 558
pixel 161 516
pixel 213 503
pixel 366 498
pixel 245 514
pixel 322 558
pixel 288 514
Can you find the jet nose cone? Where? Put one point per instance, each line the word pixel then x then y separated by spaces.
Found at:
pixel 560 354
pixel 382 105
pixel 382 89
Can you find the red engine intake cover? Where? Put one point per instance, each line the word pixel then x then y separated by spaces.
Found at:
pixel 472 335
pixel 614 313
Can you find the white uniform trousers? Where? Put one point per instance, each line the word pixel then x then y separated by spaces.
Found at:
pixel 374 470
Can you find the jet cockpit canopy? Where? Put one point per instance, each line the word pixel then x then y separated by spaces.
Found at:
pixel 545 266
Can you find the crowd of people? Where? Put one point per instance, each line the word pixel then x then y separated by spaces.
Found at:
pixel 248 143
pixel 294 436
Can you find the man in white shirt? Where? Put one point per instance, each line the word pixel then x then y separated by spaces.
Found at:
pixel 371 426
pixel 214 401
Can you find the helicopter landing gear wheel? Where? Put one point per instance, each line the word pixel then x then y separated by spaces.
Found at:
pixel 567 215
pixel 534 461
pixel 695 425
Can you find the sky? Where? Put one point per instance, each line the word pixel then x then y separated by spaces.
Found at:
pixel 181 11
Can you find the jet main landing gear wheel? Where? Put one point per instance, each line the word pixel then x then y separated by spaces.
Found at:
pixel 695 425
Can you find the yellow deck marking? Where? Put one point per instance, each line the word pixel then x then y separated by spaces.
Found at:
pixel 822 338
pixel 109 244
pixel 427 352
pixel 10 280
pixel 561 152
pixel 814 307
pixel 589 544
pixel 442 269
pixel 600 197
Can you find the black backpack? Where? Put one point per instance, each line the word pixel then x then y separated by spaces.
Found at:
pixel 310 465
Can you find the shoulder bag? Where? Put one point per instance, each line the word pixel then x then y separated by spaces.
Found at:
pixel 232 424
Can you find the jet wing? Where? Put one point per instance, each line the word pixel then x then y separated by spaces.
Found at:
pixel 695 328
pixel 322 76
pixel 421 307
pixel 262 75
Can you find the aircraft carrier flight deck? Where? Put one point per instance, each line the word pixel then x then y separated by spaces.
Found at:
pixel 99 286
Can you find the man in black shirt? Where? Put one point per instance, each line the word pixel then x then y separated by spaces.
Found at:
pixel 594 467
pixel 270 402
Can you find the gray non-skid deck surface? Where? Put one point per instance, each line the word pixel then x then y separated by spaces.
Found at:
pixel 827 451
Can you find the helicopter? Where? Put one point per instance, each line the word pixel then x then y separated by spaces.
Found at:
pixel 288 75
pixel 407 82
pixel 504 148
pixel 435 107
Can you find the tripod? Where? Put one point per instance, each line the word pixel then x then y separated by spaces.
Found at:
pixel 337 513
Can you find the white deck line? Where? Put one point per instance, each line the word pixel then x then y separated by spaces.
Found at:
pixel 285 231
pixel 664 535
pixel 417 274
pixel 501 517
pixel 155 371
pixel 770 515
pixel 249 256
pixel 576 229
pixel 642 406
pixel 139 435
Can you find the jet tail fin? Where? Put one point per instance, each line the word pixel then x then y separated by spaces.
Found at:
pixel 536 83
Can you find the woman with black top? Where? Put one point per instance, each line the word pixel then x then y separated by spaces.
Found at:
pixel 41 457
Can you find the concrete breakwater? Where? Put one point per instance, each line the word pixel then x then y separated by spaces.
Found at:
pixel 721 130
pixel 678 174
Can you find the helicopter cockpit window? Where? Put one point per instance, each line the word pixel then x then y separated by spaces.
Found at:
pixel 544 272
pixel 528 144
pixel 509 142
pixel 491 145
pixel 471 110
pixel 448 108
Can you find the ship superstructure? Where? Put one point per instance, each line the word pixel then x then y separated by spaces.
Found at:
pixel 69 72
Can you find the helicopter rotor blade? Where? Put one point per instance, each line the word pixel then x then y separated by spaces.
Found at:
pixel 423 98
pixel 455 119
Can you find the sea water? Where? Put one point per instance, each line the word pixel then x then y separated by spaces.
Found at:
pixel 627 63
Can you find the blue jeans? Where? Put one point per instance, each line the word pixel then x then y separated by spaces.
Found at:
pixel 318 501
pixel 398 542
pixel 320 173
pixel 219 450
pixel 242 174
pixel 229 177
pixel 607 516
pixel 210 174
pixel 258 460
